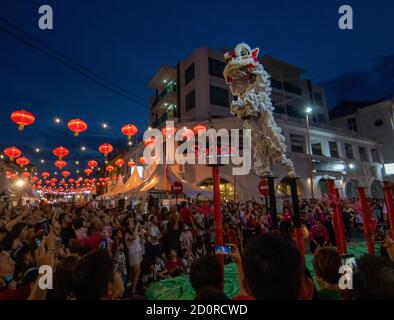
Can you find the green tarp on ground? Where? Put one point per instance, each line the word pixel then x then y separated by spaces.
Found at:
pixel 179 288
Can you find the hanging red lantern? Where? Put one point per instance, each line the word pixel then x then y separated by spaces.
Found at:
pixel 142 160
pixel 39 182
pixel 105 148
pixel 131 164
pixel 45 174
pixel 22 161
pixel 65 173
pixel 22 118
pixel 26 174
pixel 88 171
pixel 109 168
pixel 129 130
pixel 149 141
pixel 92 164
pixel 98 184
pixel 12 152
pixel 199 129
pixel 53 180
pixel 48 182
pixel 168 131
pixel 119 162
pixel 60 152
pixel 71 180
pixel 13 176
pixel 60 164
pixel 34 179
pixel 77 126
pixel 8 174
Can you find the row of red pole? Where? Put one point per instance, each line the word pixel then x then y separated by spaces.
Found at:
pixel 340 238
pixel 366 212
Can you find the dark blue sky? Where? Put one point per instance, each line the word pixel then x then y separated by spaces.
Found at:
pixel 126 42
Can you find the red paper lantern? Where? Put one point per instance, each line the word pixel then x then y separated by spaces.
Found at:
pixel 109 168
pixel 119 162
pixel 60 152
pixel 60 164
pixel 53 180
pixel 92 164
pixel 88 171
pixel 71 180
pixel 13 176
pixel 22 161
pixel 45 174
pixel 131 163
pixel 12 152
pixel 8 174
pixel 142 160
pixel 105 148
pixel 199 129
pixel 129 130
pixel 25 174
pixel 77 126
pixel 48 182
pixel 149 141
pixel 39 182
pixel 22 118
pixel 65 173
pixel 34 179
pixel 168 131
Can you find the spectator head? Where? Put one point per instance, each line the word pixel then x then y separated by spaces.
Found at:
pixel 326 264
pixel 94 276
pixel 373 279
pixel 63 280
pixel 274 269
pixel 7 265
pixel 209 294
pixel 206 273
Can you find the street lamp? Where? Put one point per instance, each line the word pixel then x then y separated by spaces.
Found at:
pixel 308 111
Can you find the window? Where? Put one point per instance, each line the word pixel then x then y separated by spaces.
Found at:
pixel 297 143
pixel 189 73
pixel 333 149
pixel 276 84
pixel 363 153
pixel 378 123
pixel 218 96
pixel 316 149
pixel 279 109
pixel 190 100
pixel 349 151
pixel 318 98
pixel 292 88
pixel 352 124
pixel 216 67
pixel 375 156
pixel 295 112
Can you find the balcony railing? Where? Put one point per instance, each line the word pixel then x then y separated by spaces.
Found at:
pixel 171 87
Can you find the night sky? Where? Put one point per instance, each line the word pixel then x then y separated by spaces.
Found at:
pixel 127 41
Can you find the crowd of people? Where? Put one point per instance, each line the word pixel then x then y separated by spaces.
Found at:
pixel 117 253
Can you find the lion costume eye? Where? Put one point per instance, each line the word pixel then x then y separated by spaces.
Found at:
pixel 245 52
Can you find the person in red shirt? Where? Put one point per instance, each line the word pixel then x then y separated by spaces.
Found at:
pixel 229 235
pixel 187 216
pixel 174 264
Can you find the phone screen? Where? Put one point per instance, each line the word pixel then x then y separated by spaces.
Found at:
pixel 103 244
pixel 222 249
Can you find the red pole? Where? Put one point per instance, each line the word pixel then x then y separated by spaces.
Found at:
pixel 338 227
pixel 218 213
pixel 388 197
pixel 342 226
pixel 365 213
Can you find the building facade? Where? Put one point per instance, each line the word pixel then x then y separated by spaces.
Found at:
pixel 194 92
pixel 373 120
